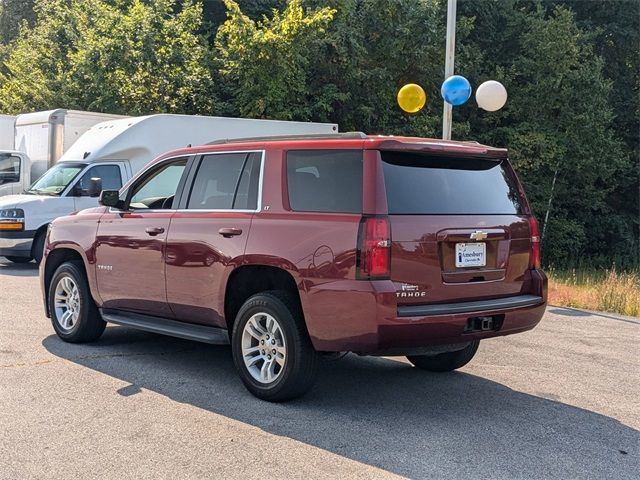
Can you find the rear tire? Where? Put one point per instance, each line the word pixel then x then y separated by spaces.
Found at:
pixel 445 362
pixel 271 348
pixel 74 314
pixel 19 259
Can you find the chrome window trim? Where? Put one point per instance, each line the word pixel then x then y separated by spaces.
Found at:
pixel 204 210
pixel 263 155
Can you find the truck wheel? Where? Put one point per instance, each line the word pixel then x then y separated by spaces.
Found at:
pixel 446 362
pixel 38 247
pixel 19 259
pixel 74 314
pixel 271 348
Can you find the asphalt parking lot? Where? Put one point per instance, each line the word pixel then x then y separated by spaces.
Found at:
pixel 561 401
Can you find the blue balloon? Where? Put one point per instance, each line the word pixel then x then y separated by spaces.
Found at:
pixel 456 90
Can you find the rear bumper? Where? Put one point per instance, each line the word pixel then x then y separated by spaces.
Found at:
pixel 469 307
pixel 16 244
pixel 369 321
pixel 414 332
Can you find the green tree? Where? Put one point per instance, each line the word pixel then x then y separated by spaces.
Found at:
pixel 130 57
pixel 615 29
pixel 256 9
pixel 370 50
pixel 265 64
pixel 214 12
pixel 12 14
pixel 558 122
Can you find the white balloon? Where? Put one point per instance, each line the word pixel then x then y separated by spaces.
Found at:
pixel 491 96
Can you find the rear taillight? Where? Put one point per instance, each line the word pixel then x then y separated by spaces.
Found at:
pixel 534 257
pixel 374 248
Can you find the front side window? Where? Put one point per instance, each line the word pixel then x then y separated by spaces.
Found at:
pixel 158 190
pixel 325 180
pixel 226 181
pixel 9 168
pixel 109 174
pixel 56 179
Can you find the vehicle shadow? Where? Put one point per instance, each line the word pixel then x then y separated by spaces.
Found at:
pixel 380 412
pixel 18 269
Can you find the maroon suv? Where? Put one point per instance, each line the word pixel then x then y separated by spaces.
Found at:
pixel 290 249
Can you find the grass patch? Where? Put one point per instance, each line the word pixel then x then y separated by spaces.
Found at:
pixel 602 290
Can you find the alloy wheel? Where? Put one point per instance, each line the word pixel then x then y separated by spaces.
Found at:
pixel 264 349
pixel 67 303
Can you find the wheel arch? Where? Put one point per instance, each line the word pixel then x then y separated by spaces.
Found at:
pixel 53 260
pixel 249 279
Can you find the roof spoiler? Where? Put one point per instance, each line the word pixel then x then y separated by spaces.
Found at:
pixel 443 148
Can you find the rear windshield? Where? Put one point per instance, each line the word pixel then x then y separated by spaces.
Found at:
pixel 418 184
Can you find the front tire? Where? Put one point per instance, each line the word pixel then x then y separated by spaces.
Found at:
pixel 446 362
pixel 271 348
pixel 74 315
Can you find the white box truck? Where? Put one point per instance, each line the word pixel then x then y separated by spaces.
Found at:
pixel 37 141
pixel 7 132
pixel 114 151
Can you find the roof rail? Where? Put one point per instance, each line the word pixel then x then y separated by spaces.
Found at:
pixel 310 136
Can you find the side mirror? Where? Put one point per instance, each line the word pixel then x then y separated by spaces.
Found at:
pixel 95 187
pixel 111 198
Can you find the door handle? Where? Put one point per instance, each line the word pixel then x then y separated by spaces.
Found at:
pixel 230 232
pixel 153 231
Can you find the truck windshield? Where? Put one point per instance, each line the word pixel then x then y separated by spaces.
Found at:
pixel 56 179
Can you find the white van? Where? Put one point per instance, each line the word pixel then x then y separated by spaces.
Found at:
pixel 113 152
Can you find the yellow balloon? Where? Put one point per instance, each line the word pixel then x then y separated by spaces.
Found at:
pixel 412 98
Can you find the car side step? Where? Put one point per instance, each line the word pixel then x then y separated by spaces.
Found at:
pixel 165 326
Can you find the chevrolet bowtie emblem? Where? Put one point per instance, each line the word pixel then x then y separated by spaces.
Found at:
pixel 478 235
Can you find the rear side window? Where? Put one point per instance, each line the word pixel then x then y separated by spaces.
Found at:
pixel 325 180
pixel 226 181
pixel 418 184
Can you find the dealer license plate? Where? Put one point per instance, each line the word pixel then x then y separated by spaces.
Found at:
pixel 471 254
